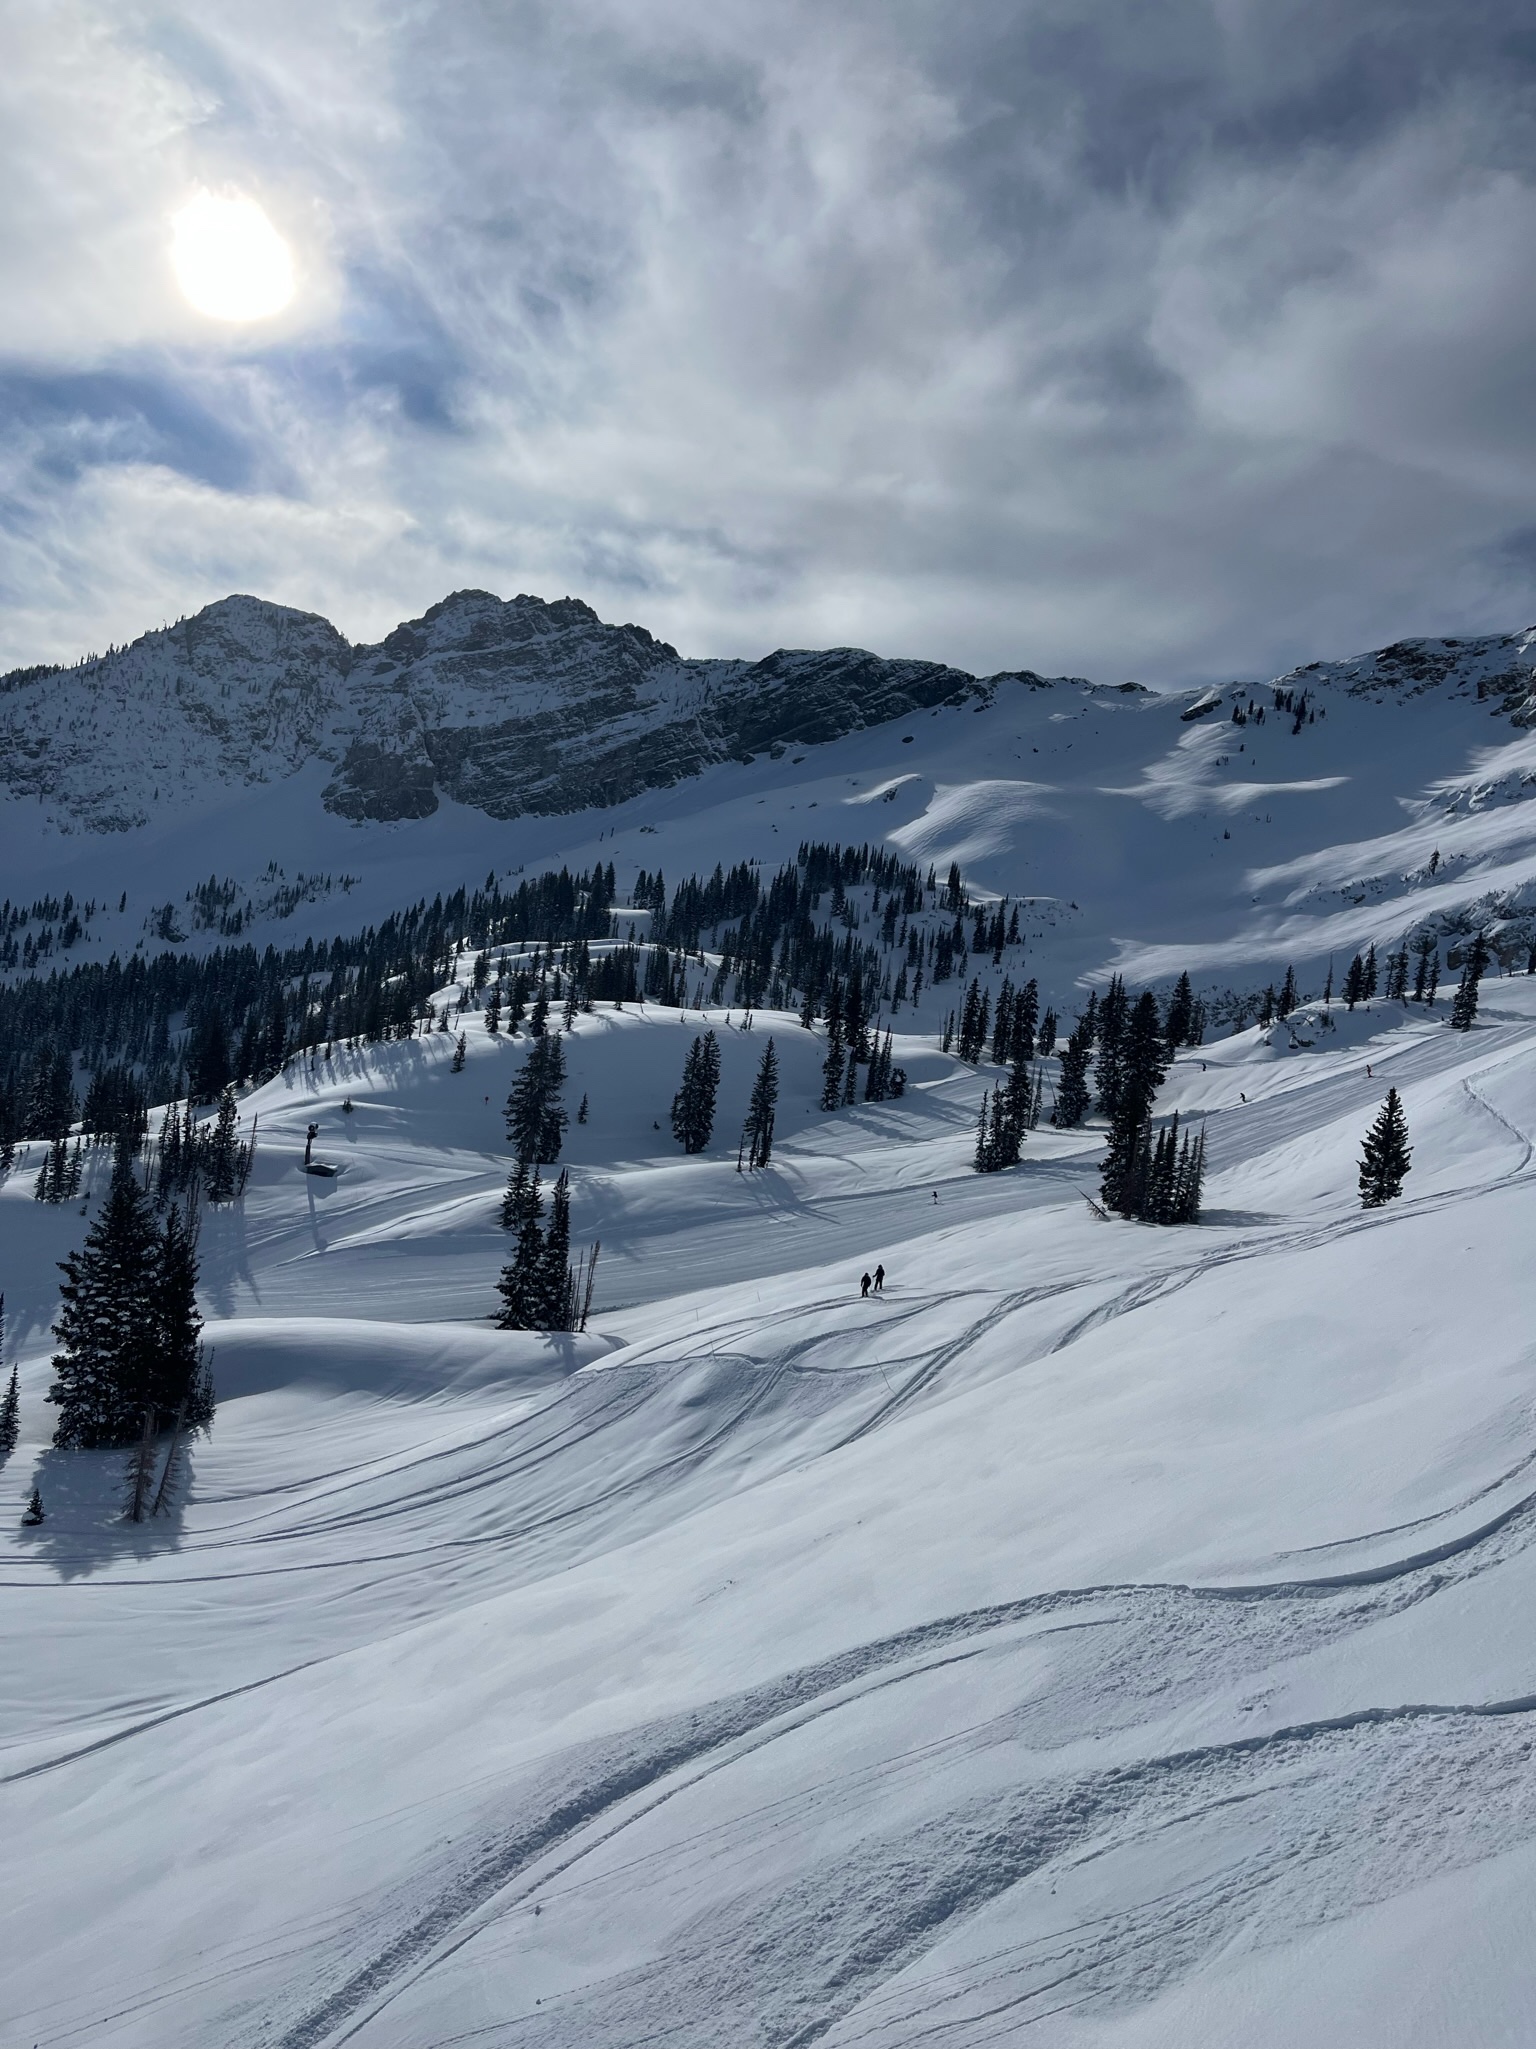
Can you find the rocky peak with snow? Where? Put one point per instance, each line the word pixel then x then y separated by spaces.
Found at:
pixel 517 706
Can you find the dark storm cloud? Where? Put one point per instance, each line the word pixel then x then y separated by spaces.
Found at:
pixel 1164 340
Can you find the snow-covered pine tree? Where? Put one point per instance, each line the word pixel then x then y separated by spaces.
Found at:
pixel 1474 966
pixel 35 1512
pixel 460 1051
pixel 1385 1155
pixel 763 1105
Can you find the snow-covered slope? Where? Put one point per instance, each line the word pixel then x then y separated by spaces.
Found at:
pixel 1106 1637
pixel 1111 1636
pixel 1152 833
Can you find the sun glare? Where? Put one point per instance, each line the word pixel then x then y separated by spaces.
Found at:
pixel 229 260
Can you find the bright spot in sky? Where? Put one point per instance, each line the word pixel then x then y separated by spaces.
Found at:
pixel 229 259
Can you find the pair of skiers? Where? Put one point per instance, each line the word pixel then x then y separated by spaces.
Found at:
pixel 875 1281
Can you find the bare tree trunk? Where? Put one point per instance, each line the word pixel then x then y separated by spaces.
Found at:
pixel 142 1471
pixel 170 1459
pixel 589 1284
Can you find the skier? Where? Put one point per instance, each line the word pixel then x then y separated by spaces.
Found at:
pixel 864 1285
pixel 935 1195
pixel 879 1280
pixel 309 1141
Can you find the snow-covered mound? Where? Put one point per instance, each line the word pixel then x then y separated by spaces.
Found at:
pixel 1105 1637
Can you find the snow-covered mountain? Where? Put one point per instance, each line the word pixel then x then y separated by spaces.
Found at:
pixel 1102 1636
pixel 506 707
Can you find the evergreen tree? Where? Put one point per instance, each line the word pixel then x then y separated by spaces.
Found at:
pixel 693 1107
pixel 832 1069
pixel 1288 993
pixel 223 1150
pixel 1474 965
pixel 10 1416
pixel 1129 1158
pixel 1109 1067
pixel 35 1512
pixel 106 1368
pixel 1425 949
pixel 761 1108
pixel 1370 982
pixel 1354 982
pixel 555 1279
pixel 1385 1155
pixel 536 1118
pixel 1179 1020
pixel 183 1386
pixel 1072 1091
pixel 521 1286
pixel 460 1051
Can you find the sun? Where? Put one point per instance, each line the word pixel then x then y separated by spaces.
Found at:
pixel 229 260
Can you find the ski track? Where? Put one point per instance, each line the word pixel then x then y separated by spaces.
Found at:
pixel 1186 1633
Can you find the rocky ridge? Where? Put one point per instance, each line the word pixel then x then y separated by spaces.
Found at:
pixel 513 707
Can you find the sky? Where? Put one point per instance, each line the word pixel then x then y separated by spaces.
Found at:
pixel 1172 341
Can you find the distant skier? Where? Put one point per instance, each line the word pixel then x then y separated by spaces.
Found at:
pixel 879 1280
pixel 935 1195
pixel 864 1285
pixel 309 1141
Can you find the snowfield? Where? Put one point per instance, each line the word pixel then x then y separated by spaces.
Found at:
pixel 1110 1638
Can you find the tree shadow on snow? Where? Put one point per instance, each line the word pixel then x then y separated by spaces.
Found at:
pixel 85 1496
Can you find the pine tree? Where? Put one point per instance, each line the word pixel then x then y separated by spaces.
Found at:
pixel 536 1119
pixel 763 1104
pixel 1474 965
pixel 35 1512
pixel 223 1150
pixel 1385 1155
pixel 1288 994
pixel 522 1278
pixel 1425 948
pixel 1354 982
pixel 555 1279
pixel 10 1417
pixel 1129 1157
pixel 1072 1091
pixel 1180 1015
pixel 460 1050
pixel 107 1325
pixel 1110 1031
pixel 693 1107
pixel 1369 984
pixel 832 1069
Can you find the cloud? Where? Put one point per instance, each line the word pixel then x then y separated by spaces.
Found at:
pixel 1175 343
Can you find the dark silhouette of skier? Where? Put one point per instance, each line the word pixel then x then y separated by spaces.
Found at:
pixel 309 1141
pixel 864 1285
pixel 879 1280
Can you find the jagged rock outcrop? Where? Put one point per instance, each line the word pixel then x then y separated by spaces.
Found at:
pixel 511 707
pixel 506 706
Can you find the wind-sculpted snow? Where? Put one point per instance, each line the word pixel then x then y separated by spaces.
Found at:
pixel 1107 1637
